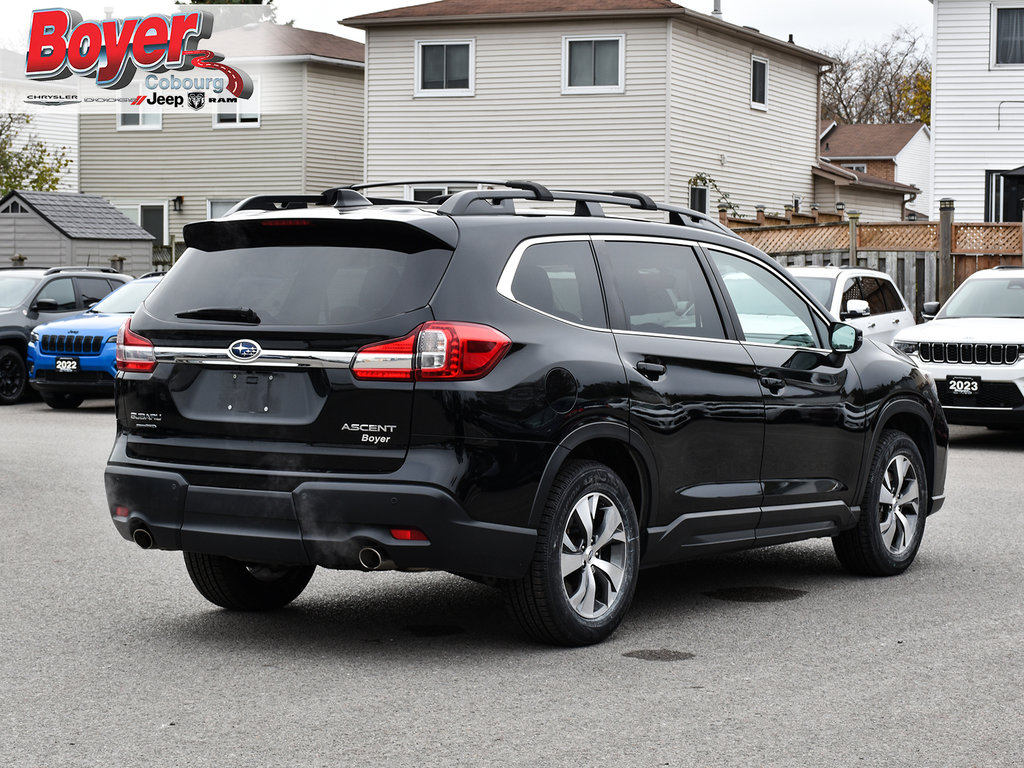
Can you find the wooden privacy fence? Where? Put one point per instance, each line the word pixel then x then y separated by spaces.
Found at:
pixel 926 259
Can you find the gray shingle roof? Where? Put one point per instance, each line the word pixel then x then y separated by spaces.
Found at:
pixel 82 217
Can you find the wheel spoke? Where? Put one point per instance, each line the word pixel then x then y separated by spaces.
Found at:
pixel 908 494
pixel 613 572
pixel 571 562
pixel 584 598
pixel 584 512
pixel 611 528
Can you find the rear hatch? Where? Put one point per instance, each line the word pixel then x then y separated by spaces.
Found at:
pixel 254 332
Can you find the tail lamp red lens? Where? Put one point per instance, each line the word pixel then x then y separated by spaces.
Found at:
pixel 134 353
pixel 434 351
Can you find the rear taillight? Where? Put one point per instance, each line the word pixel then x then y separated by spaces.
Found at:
pixel 434 351
pixel 134 353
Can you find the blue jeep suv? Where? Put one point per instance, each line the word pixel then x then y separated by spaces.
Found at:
pixel 69 360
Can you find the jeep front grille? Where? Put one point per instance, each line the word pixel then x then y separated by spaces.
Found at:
pixel 970 354
pixel 71 344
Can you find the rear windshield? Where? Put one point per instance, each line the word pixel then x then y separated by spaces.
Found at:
pixel 308 285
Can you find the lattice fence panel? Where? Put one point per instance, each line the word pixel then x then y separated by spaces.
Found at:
pixel 987 238
pixel 801 239
pixel 902 236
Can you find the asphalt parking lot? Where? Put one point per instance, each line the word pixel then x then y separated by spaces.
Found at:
pixel 775 657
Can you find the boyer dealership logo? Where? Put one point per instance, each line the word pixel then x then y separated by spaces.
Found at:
pixel 112 51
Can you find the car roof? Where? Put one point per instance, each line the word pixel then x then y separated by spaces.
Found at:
pixel 995 273
pixel 831 271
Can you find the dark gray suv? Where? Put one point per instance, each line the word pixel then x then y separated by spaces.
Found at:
pixel 31 296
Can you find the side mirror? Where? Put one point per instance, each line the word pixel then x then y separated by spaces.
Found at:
pixel 929 310
pixel 45 305
pixel 844 338
pixel 856 308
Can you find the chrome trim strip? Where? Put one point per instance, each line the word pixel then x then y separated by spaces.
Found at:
pixel 269 358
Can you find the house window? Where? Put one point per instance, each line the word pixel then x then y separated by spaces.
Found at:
pixel 138 117
pixel 151 217
pixel 241 113
pixel 758 82
pixel 699 199
pixel 424 194
pixel 860 167
pixel 444 68
pixel 1008 35
pixel 14 207
pixel 217 208
pixel 593 64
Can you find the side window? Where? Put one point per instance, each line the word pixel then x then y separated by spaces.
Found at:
pixel 871 288
pixel 893 300
pixel 662 290
pixel 769 311
pixel 62 291
pixel 851 290
pixel 560 279
pixel 92 289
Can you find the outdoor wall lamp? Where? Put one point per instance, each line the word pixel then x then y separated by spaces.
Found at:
pixel 178 202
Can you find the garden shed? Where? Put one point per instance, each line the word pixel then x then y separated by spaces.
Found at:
pixel 58 229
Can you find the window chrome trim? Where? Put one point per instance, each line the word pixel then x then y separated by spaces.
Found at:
pixel 269 358
pixel 508 275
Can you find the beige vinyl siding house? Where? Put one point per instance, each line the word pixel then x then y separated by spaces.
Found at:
pixel 977 111
pixel 300 133
pixel 683 105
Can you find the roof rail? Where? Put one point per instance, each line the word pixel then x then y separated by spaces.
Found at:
pixel 153 274
pixel 588 203
pixel 55 270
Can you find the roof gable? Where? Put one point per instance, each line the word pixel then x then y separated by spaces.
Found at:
pixel 850 142
pixel 81 217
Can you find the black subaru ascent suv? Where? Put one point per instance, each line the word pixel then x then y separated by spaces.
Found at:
pixel 544 389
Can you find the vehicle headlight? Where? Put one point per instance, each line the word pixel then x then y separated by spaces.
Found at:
pixel 906 347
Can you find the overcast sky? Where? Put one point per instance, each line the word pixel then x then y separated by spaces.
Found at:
pixel 815 24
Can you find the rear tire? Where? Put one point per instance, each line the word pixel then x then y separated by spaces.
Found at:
pixel 892 512
pixel 240 586
pixel 13 376
pixel 62 401
pixel 584 569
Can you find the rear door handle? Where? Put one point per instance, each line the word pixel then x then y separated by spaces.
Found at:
pixel 773 384
pixel 651 370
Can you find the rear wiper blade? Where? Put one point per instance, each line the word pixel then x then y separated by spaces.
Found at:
pixel 224 314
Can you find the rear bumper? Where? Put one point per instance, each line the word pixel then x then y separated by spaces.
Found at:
pixel 322 523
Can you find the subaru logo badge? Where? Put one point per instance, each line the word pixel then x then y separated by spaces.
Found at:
pixel 244 350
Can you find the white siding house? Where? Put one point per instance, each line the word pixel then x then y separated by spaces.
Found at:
pixel 669 94
pixel 978 108
pixel 300 133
